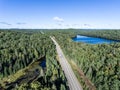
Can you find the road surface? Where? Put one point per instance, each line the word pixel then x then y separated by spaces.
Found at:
pixel 72 80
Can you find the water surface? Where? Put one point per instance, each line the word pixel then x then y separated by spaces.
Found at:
pixel 92 40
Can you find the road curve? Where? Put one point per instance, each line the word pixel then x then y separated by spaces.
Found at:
pixel 72 80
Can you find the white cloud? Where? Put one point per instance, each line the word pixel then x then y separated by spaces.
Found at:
pixel 20 23
pixel 5 23
pixel 58 19
pixel 87 25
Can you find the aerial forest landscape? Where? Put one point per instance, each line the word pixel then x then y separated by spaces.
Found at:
pixel 59 45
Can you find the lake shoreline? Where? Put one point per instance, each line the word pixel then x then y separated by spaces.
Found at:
pixel 93 40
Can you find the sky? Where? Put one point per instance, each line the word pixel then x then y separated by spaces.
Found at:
pixel 48 14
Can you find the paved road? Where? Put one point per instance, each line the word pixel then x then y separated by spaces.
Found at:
pixel 72 80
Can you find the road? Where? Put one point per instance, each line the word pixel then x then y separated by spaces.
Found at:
pixel 71 78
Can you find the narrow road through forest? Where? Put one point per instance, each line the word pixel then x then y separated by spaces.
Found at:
pixel 72 79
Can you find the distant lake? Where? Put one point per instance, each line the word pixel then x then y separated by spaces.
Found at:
pixel 92 40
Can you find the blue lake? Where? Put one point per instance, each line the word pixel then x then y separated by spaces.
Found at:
pixel 43 64
pixel 92 40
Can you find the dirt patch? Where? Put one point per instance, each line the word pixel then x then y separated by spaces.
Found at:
pixel 88 83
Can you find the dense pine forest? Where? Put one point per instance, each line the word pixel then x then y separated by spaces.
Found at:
pixel 108 34
pixel 99 62
pixel 28 60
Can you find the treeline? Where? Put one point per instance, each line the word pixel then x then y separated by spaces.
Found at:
pixel 107 34
pixel 100 62
pixel 19 49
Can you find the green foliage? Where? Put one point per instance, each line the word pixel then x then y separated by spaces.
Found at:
pixel 100 62
pixel 20 49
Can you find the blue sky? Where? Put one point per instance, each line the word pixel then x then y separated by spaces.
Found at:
pixel 60 14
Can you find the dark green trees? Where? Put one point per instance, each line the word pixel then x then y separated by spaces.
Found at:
pixel 20 49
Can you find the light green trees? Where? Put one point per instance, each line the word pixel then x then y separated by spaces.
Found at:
pixel 62 87
pixel 35 85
